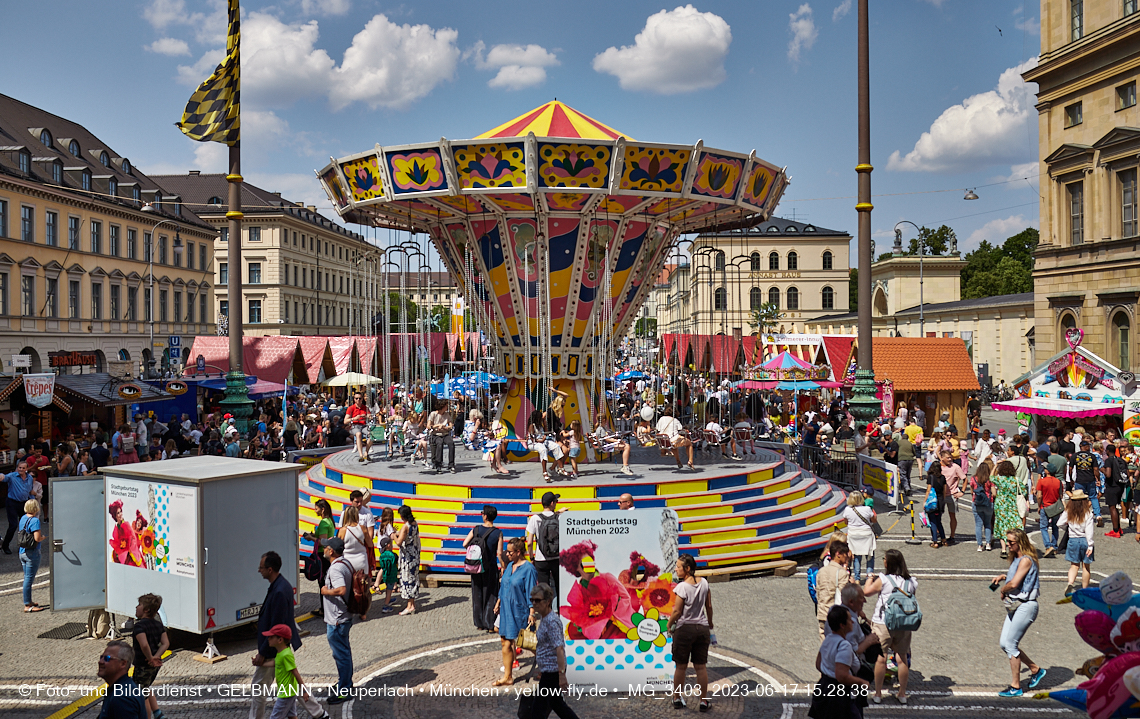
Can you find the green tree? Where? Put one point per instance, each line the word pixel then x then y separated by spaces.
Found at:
pixel 765 317
pixel 646 327
pixel 853 288
pixel 395 299
pixel 1007 277
pixel 980 276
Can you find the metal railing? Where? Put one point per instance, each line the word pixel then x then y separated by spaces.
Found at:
pixel 837 466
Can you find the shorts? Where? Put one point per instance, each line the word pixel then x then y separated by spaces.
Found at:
pixel 691 641
pixel 145 675
pixel 1075 552
pixel 356 430
pixel 897 642
pixel 951 504
pixel 574 452
pixel 1113 495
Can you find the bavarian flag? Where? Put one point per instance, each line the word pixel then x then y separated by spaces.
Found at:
pixel 212 114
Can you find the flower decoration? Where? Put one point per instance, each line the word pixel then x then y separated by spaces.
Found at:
pixel 593 604
pixel 635 579
pixel 648 630
pixel 658 594
pixel 571 559
pixel 146 538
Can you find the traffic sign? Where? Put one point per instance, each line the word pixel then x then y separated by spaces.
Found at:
pixel 175 340
pixel 175 353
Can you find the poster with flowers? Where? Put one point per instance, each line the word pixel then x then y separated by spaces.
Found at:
pixel 152 526
pixel 617 578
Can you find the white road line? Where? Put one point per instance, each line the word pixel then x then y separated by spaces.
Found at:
pixel 21 581
pixel 431 652
pixel 760 673
pixel 20 589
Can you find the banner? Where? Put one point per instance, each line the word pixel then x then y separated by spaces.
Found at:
pixel 875 475
pixel 616 579
pixel 1132 421
pixel 152 526
pixel 39 388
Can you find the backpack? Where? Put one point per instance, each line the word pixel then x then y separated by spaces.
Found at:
pixel 901 612
pixel 982 496
pixel 128 442
pixel 358 598
pixel 24 538
pixel 547 535
pixel 313 566
pixel 812 571
pixel 480 557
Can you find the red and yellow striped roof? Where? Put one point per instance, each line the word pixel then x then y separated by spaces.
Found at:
pixel 554 119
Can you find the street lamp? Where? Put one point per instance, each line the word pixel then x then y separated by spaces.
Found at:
pixel 150 264
pixel 921 252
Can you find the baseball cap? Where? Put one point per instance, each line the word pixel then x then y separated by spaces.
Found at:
pixel 336 543
pixel 550 497
pixel 279 630
pixel 227 416
pixel 385 542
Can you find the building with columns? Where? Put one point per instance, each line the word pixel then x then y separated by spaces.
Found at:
pixel 1087 265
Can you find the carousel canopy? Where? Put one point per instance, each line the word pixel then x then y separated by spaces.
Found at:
pixel 785 360
pixel 554 119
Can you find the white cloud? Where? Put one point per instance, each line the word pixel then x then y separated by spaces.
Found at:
pixel 802 26
pixel 208 27
pixel 997 231
pixel 842 9
pixel 280 63
pixel 194 75
pixel 519 66
pixel 987 128
pixel 1021 172
pixel 1030 25
pixel 325 7
pixel 169 46
pixel 391 65
pixel 678 50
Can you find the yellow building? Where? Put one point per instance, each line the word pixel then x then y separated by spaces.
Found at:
pixel 76 251
pixel 1087 270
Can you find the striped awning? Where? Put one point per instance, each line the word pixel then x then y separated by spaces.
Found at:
pixel 554 119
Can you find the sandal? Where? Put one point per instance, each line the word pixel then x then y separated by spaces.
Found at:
pixel 546 476
pixel 34 608
pixel 704 705
pixel 502 683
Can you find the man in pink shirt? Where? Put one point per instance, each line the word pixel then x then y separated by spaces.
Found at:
pixel 955 478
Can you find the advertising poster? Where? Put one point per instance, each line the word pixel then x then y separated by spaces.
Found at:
pixel 617 579
pixel 152 526
pixel 1132 421
pixel 39 388
pixel 875 475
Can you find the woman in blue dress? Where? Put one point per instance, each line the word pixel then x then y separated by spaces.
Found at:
pixel 513 605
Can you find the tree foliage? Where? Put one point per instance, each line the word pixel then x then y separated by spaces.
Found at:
pixel 853 288
pixel 1003 270
pixel 646 327
pixel 765 317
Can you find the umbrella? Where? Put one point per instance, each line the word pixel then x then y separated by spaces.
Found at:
pixel 352 379
pixel 797 385
pixel 485 378
pixel 785 360
pixel 632 374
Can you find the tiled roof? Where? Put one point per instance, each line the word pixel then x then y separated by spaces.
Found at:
pixel 924 364
pixel 779 227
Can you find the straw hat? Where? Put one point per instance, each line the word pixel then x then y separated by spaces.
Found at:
pixel 1077 494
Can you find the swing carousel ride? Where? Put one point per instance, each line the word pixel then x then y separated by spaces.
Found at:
pixel 554 226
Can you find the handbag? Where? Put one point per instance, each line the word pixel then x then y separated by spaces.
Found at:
pixel 1022 506
pixel 1054 510
pixel 1063 542
pixel 527 639
pixel 874 525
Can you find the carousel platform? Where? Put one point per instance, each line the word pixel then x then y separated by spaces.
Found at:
pixel 731 512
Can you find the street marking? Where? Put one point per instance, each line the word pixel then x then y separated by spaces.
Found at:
pixel 760 673
pixel 21 581
pixel 420 655
pixel 20 589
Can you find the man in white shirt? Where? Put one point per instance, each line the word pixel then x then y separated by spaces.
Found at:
pixel 140 431
pixel 718 431
pixel 671 427
pixel 359 499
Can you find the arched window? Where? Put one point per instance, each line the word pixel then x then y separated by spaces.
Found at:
pixel 45 138
pixel 215 200
pixel 73 148
pixel 124 355
pixel 755 298
pixel 773 260
pixel 828 298
pixel 793 261
pixel 719 261
pixel 774 297
pixel 1120 341
pixel 104 159
pixel 127 166
pixel 720 299
pixel 827 260
pixel 793 298
pixel 756 262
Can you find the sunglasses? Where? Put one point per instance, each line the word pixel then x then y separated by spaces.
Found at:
pixel 107 657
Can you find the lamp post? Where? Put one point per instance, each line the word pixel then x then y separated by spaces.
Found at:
pixel 864 405
pixel 921 252
pixel 150 264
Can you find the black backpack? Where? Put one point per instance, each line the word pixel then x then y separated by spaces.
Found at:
pixel 547 535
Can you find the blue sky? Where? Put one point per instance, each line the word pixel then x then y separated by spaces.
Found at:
pixel 333 77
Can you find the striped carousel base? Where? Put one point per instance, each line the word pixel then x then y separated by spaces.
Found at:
pixel 760 509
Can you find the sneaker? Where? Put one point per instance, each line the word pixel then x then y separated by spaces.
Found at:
pixel 679 702
pixel 626 470
pixel 451 469
pixel 737 457
pixel 1114 535
pixel 1069 590
pixel 876 700
pixel 1100 521
pixel 704 705
pixel 981 548
pixel 1036 678
pixel 1011 692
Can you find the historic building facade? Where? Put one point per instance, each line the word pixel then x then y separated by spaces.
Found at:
pixel 87 275
pixel 1087 271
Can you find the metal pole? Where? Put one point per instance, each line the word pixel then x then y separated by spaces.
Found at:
pixel 150 350
pixel 237 400
pixel 921 301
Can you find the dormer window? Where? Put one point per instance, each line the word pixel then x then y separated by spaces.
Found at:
pixel 25 162
pixel 112 187
pixel 790 230
pixel 773 230
pixel 809 228
pixel 127 167
pixel 73 148
pixel 136 193
pixel 104 159
pixel 57 172
pixel 85 180
pixel 45 138
pixel 178 209
pixel 215 200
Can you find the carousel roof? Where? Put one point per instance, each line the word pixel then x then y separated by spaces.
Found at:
pixel 554 119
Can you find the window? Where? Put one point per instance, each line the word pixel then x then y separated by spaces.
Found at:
pixel 224 233
pixel 1126 95
pixel 27 223
pixel 793 298
pixel 755 298
pixel 720 299
pixel 96 237
pixel 148 246
pixel 828 298
pixel 85 180
pixel 113 187
pixel 51 304
pixel 104 159
pixel 73 233
pixel 255 312
pixel 773 261
pixel 202 263
pixel 223 273
pixel 774 297
pixel 203 315
pixel 73 299
pixel 1121 340
pixel 73 148
pixel 57 172
pixel 189 255
pixel 294 311
pixel 215 200
pixel 96 300
pixel 162 249
pixel 25 161
pixel 3 218
pixel 1076 212
pixel 1077 13
pixel 51 229
pixel 126 166
pixel 793 261
pixel 28 295
pixel 828 261
pixel 162 305
pixel 304 277
pixel 294 244
pixel 1128 203
pixel 45 138
pixel 286 306
pixel 177 306
pixel 132 303
pixel 224 308
pixel 116 290
pixel 178 209
pixel 1129 7
pixel 255 273
pixel 136 193
pixel 113 240
pixel 132 243
pixel 1074 114
pixel 190 300
pixel 255 234
pixel 148 305
pixel 305 314
pixel 3 293
pixel 719 261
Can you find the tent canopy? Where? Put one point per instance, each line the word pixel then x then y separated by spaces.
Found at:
pixel 352 379
pixel 1058 407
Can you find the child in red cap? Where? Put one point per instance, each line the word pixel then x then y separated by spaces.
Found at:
pixel 285 672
